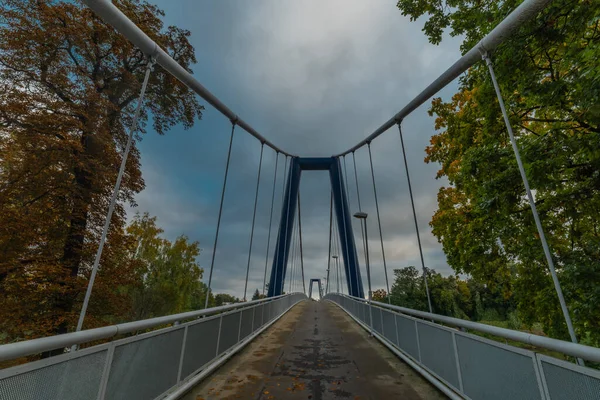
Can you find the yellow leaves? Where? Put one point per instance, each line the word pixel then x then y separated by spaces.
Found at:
pixel 379 295
pixel 453 168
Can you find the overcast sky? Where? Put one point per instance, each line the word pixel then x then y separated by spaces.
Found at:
pixel 314 77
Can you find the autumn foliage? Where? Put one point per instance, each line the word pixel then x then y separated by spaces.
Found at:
pixel 68 87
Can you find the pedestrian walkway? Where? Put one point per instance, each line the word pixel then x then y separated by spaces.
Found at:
pixel 316 351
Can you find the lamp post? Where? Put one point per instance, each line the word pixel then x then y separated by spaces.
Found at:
pixel 362 216
pixel 337 272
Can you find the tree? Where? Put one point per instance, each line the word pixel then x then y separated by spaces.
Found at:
pixel 451 296
pixel 550 81
pixel 256 295
pixel 169 273
pixel 224 299
pixel 379 295
pixel 68 88
pixel 407 289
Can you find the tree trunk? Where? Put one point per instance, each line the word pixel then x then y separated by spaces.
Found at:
pixel 74 241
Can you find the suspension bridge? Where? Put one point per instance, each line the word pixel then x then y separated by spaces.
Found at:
pixel 346 345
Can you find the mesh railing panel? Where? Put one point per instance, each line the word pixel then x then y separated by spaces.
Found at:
pixel 247 321
pixel 389 327
pixel 491 372
pixel 363 313
pixel 277 305
pixel 200 345
pixel 377 323
pixel 73 379
pixel 476 367
pixel 229 331
pixel 143 369
pixel 258 317
pixel 267 314
pixel 407 335
pixel 353 307
pixel 437 352
pixel 569 382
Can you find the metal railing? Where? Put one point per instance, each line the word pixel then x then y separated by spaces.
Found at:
pixel 465 365
pixel 164 362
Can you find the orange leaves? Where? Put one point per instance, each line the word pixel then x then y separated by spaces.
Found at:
pixel 380 295
pixel 68 87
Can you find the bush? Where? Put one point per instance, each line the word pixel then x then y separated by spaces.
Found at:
pixel 490 314
pixel 514 322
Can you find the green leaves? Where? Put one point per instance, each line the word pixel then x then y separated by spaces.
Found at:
pixel 549 77
pixel 169 273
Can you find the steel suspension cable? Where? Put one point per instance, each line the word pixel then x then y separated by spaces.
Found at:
pixel 295 276
pixel 412 203
pixel 362 235
pixel 270 223
pixel 536 217
pixel 346 179
pixel 334 252
pixel 262 148
pixel 356 179
pixel 296 257
pixel 277 249
pixel 113 199
pixel 335 259
pixel 297 262
pixel 212 262
pixel 339 272
pixel 287 221
pixel 285 168
pixel 350 206
pixel 288 269
pixel 330 228
pixel 343 278
pixel 301 252
pixel 387 284
pixel 292 259
pixel 339 267
pixel 346 255
pixel 336 242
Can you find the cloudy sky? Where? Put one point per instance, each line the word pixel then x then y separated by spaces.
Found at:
pixel 314 77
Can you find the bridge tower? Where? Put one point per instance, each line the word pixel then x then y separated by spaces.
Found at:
pixel 342 213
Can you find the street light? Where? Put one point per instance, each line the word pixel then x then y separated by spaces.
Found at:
pixel 362 216
pixel 337 271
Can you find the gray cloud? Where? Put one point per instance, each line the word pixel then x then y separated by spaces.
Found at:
pixel 314 77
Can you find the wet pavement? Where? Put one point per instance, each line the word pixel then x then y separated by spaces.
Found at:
pixel 315 351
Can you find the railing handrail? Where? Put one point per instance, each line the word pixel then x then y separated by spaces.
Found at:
pixel 504 29
pixel 114 17
pixel 24 348
pixel 569 348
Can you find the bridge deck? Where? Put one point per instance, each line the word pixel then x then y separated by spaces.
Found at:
pixel 316 351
